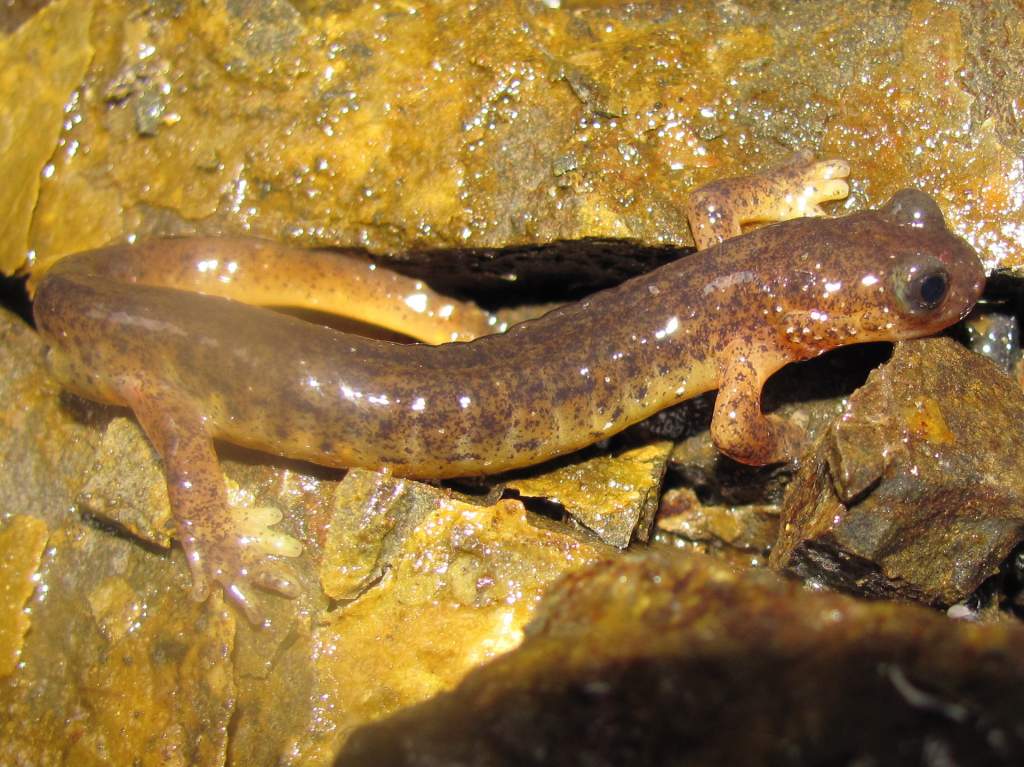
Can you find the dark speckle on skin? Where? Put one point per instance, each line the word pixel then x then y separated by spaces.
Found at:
pixel 527 445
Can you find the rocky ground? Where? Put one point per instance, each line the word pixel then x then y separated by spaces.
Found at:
pixel 647 601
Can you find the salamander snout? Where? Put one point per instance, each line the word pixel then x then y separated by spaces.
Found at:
pixel 967 275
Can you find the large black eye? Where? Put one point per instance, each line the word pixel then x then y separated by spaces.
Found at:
pixel 923 288
pixel 932 288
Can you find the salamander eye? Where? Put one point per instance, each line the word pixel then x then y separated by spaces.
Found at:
pixel 921 289
pixel 914 208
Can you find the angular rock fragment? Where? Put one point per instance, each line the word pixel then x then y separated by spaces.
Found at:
pixel 750 528
pixel 915 492
pixel 615 496
pixel 126 484
pixel 673 659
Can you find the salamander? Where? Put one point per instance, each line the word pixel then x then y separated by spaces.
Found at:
pixel 161 328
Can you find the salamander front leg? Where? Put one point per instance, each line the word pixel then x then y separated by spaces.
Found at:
pixel 717 211
pixel 738 427
pixel 230 546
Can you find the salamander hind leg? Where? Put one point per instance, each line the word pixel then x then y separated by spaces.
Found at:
pixel 738 427
pixel 230 546
pixel 717 211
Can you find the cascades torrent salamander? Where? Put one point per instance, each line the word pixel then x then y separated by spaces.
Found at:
pixel 154 327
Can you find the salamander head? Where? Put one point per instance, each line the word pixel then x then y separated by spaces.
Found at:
pixel 938 281
pixel 883 275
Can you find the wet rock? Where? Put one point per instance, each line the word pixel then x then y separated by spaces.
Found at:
pixel 615 496
pixel 993 37
pixel 753 527
pixel 454 585
pixel 126 484
pixel 339 124
pixel 17 12
pixel 21 548
pixel 994 333
pixel 371 521
pixel 915 492
pixel 119 662
pixel 41 64
pixel 673 659
pixel 961 49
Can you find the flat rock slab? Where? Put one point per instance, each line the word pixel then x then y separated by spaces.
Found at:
pixel 628 485
pixel 460 137
pixel 672 659
pixel 916 490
